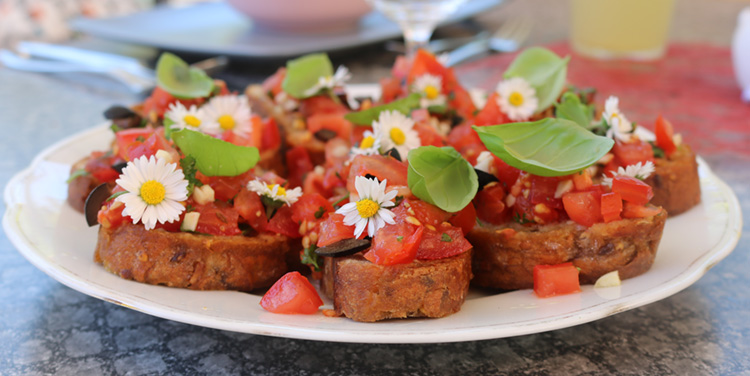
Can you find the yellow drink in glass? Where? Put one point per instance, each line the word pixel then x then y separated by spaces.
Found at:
pixel 628 29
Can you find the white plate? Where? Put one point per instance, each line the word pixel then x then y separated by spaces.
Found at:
pixel 56 240
pixel 214 28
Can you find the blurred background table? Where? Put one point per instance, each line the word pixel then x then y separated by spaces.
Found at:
pixel 47 328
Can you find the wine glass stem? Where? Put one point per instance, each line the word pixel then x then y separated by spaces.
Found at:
pixel 417 36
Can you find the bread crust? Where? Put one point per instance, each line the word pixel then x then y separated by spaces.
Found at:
pixel 367 292
pixel 198 262
pixel 676 182
pixel 504 256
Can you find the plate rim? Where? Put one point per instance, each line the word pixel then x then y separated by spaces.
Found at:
pixel 686 277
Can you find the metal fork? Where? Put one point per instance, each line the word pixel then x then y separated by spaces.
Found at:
pixel 508 38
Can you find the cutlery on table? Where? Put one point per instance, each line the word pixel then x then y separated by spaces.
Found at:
pixel 508 38
pixel 50 58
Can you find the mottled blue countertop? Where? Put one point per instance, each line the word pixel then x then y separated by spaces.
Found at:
pixel 48 328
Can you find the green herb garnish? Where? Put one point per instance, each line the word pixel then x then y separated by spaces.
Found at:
pixel 214 157
pixel 181 80
pixel 366 117
pixel 446 238
pixel 319 213
pixel 543 70
pixel 309 257
pixel 548 147
pixel 442 177
pixel 571 108
pixel 77 174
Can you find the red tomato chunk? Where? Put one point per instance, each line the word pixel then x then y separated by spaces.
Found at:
pixel 632 189
pixel 292 294
pixel 552 280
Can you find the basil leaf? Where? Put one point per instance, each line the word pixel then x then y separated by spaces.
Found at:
pixel 545 72
pixel 181 80
pixel 547 147
pixel 442 177
pixel 571 108
pixel 303 73
pixel 214 157
pixel 366 117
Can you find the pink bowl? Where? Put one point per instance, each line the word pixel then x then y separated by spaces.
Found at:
pixel 303 15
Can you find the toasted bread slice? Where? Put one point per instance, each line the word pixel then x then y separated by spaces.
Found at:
pixel 675 181
pixel 504 256
pixel 363 291
pixel 198 262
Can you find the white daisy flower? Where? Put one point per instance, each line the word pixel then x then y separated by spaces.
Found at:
pixel 395 130
pixel 639 171
pixel 484 161
pixel 430 88
pixel 181 117
pixel 517 98
pixel 370 145
pixel 370 211
pixel 329 82
pixel 478 97
pixel 154 191
pixel 227 112
pixel 619 127
pixel 275 191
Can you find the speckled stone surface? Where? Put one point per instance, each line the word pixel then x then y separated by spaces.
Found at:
pixel 47 328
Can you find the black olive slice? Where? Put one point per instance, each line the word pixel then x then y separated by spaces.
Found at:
pixel 370 176
pixel 94 202
pixel 344 247
pixel 118 112
pixel 119 166
pixel 325 135
pixel 485 178
pixel 393 152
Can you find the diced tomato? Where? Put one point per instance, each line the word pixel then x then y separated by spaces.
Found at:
pixel 463 136
pixel 271 137
pixel 321 104
pixel 542 191
pixel 282 223
pixel 506 173
pixel 383 168
pixel 665 136
pixel 217 219
pixel 314 184
pixel 490 204
pixel 100 167
pixel 460 100
pixel 333 229
pixel 552 280
pixel 337 152
pixel 110 215
pixel 582 180
pixel 428 135
pixel 426 63
pixel 420 115
pixel 273 83
pixel 159 102
pixel 226 187
pixel 526 212
pixel 251 209
pixel 631 210
pixel 632 189
pixel 291 294
pixel 331 121
pixel 390 88
pixel 395 244
pixel 311 207
pixel 444 241
pixel 465 219
pixel 611 206
pixel 491 114
pixel 583 207
pixel 124 139
pixel 633 152
pixel 298 164
pixel 425 212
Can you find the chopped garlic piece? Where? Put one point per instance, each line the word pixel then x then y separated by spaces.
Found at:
pixel 203 195
pixel 610 279
pixel 563 187
pixel 190 222
pixel 163 154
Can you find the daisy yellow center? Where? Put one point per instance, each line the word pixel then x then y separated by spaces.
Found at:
pixel 367 208
pixel 226 122
pixel 153 192
pixel 367 142
pixel 515 99
pixel 280 192
pixel 192 121
pixel 397 136
pixel 431 92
